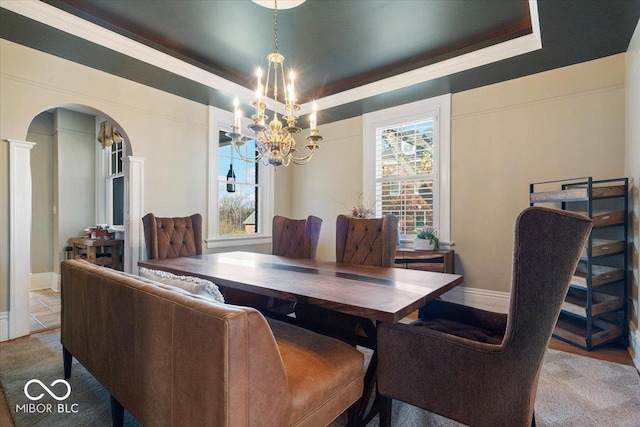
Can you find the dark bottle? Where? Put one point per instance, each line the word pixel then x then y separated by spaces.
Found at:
pixel 231 178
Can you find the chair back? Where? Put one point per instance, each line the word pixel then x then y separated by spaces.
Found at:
pixel 172 237
pixel 367 241
pixel 296 238
pixel 547 248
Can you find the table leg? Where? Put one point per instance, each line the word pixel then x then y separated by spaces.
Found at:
pixel 91 254
pixel 115 257
pixel 369 401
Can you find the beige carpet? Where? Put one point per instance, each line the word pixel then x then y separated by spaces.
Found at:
pixel 573 391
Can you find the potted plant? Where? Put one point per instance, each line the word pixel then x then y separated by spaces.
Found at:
pixel 426 239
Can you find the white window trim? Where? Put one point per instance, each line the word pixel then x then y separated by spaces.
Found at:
pixel 405 113
pixel 219 119
pixel 109 192
pixel 104 200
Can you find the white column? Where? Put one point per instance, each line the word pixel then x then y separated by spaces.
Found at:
pixel 19 236
pixel 133 236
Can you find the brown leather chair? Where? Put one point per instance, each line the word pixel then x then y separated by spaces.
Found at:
pixel 296 238
pixel 478 367
pixel 172 237
pixel 365 241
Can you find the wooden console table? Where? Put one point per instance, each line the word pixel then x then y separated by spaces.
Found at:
pixel 92 245
pixel 440 261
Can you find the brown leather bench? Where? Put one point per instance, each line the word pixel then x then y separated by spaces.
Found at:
pixel 173 358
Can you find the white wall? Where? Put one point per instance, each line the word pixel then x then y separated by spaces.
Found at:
pixel 632 170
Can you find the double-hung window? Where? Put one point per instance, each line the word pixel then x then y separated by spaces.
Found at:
pixel 238 189
pixel 406 165
pixel 110 180
pixel 240 192
pixel 115 187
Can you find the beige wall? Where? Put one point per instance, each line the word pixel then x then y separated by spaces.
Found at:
pixel 559 124
pixel 168 131
pixel 41 132
pixel 331 183
pixel 74 178
pixel 632 170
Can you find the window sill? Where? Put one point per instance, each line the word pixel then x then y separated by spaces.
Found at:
pixel 237 241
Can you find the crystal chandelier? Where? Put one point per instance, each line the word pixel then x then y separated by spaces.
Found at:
pixel 275 144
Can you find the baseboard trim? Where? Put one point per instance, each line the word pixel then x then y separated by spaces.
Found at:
pixel 634 344
pixel 479 298
pixel 4 326
pixel 49 280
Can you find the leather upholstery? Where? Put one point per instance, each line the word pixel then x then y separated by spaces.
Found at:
pixel 172 237
pixel 450 370
pixel 171 358
pixel 367 241
pixel 296 238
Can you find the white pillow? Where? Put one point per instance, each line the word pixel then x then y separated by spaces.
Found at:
pixel 195 285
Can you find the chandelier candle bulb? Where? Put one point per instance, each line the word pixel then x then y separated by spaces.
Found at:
pixel 259 76
pixel 237 114
pixel 314 119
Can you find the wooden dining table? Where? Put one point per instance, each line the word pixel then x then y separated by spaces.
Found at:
pixel 372 294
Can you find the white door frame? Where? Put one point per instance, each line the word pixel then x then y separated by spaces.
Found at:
pixel 17 323
pixel 19 237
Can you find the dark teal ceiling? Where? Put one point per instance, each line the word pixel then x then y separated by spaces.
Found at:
pixel 334 45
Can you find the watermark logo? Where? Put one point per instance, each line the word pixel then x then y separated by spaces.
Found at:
pixel 47 389
pixel 55 391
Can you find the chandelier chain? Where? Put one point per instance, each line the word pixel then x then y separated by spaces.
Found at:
pixel 275 26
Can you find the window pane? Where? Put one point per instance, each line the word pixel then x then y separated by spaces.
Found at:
pixel 237 211
pixel 118 200
pixel 238 188
pixel 116 158
pixel 411 201
pixel 405 150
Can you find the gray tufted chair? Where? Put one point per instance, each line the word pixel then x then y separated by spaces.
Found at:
pixel 478 367
pixel 296 238
pixel 172 237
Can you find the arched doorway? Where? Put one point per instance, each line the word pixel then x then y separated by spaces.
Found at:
pixel 69 171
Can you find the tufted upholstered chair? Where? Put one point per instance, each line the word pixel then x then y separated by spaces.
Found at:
pixel 478 367
pixel 367 241
pixel 293 238
pixel 172 237
pixel 296 238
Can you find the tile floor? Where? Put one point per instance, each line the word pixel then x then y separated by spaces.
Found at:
pixel 45 309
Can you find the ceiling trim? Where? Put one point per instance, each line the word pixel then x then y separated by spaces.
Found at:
pixel 69 23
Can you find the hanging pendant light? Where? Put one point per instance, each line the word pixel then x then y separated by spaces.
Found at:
pixel 275 144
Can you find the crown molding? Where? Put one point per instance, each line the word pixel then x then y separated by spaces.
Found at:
pixel 71 24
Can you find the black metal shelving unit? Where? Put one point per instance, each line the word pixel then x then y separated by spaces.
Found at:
pixel 596 309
